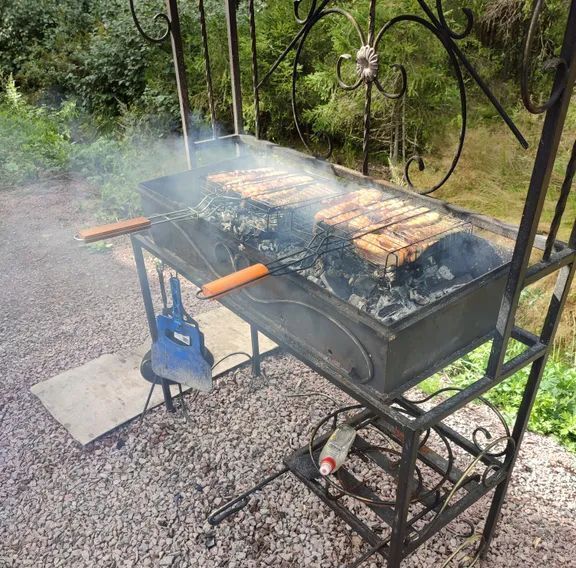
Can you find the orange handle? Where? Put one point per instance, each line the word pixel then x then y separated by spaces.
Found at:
pixel 234 281
pixel 113 229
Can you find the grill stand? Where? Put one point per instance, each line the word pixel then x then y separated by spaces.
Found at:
pixel 406 422
pixel 414 503
pixel 408 430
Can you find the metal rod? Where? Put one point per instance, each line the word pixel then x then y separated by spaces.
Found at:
pixel 150 313
pixel 254 50
pixel 368 96
pixel 234 63
pixel 235 505
pixel 366 137
pixel 256 371
pixel 479 387
pixel 557 303
pixel 545 268
pixel 181 81
pixel 403 497
pixel 207 66
pixel 543 165
pixel 561 204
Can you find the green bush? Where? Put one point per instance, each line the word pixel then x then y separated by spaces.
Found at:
pixel 35 141
pixel 554 411
pixel 39 142
pixel 90 52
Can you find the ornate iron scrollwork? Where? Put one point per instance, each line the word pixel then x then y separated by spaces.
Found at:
pixel 160 16
pixel 481 436
pixel 368 65
pixel 554 64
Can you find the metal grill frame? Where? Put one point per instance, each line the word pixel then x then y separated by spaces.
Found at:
pixel 559 260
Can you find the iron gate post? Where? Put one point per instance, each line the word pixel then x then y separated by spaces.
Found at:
pixel 181 80
pixel 232 25
pixel 171 21
pixel 562 289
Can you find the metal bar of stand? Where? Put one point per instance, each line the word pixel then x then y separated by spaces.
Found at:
pixel 545 268
pixel 235 505
pixel 256 358
pixel 234 63
pixel 150 313
pixel 561 292
pixel 403 497
pixel 181 79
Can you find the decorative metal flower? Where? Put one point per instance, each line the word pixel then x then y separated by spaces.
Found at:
pixel 367 72
pixel 367 63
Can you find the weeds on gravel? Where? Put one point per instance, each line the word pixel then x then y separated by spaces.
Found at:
pixel 554 411
pixel 37 142
pixel 33 139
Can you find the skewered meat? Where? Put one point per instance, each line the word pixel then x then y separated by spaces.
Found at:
pixel 385 229
pixel 355 200
pixel 254 189
pixel 377 247
pixel 238 175
pixel 297 195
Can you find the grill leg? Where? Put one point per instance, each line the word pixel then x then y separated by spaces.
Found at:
pixel 150 314
pixel 519 429
pixel 255 351
pixel 403 495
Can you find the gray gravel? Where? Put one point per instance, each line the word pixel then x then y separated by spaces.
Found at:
pixel 140 496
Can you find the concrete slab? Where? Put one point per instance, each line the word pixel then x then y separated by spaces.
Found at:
pixel 99 396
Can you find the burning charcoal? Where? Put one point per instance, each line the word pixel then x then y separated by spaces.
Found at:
pixel 388 310
pixel 444 272
pixel 442 287
pixel 338 285
pixel 357 301
pixel 364 285
pixel 418 298
pixel 243 228
pixel 266 245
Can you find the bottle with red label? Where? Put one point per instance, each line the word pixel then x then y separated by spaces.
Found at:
pixel 335 451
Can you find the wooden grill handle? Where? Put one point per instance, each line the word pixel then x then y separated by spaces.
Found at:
pixel 102 232
pixel 235 281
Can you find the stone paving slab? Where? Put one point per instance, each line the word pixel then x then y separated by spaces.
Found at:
pixel 106 392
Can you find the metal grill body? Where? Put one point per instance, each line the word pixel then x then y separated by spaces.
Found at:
pixel 320 328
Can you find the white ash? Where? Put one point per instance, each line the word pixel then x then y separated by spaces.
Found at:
pixel 388 294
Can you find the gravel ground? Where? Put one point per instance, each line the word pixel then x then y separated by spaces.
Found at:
pixel 140 496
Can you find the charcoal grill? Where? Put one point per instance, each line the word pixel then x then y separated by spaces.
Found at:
pixel 326 331
pixel 373 356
